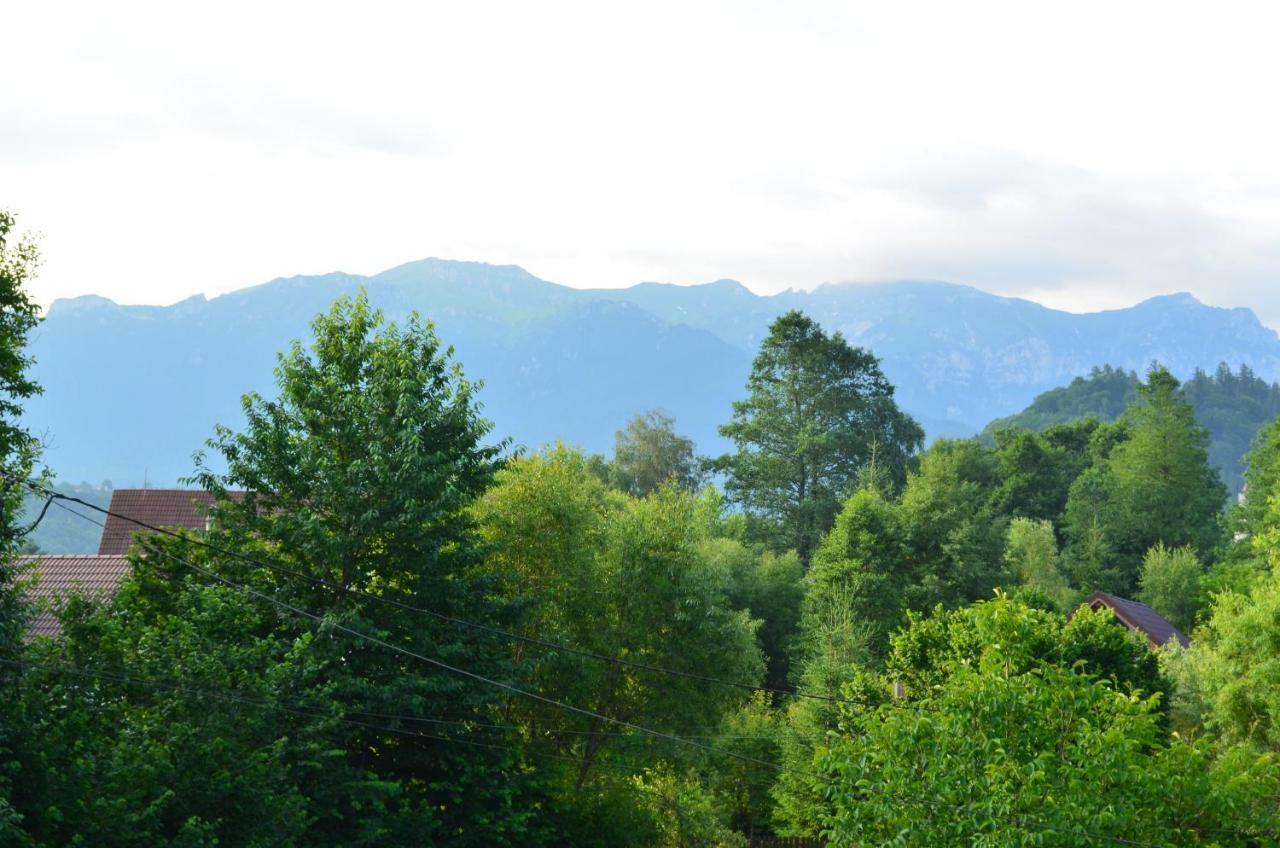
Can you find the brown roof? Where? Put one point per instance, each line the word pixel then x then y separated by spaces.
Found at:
pixel 56 576
pixel 185 509
pixel 1140 618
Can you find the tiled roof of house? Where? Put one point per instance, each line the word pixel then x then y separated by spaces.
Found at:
pixel 1140 617
pixel 185 509
pixel 58 575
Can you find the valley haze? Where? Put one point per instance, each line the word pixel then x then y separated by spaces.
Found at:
pixel 132 391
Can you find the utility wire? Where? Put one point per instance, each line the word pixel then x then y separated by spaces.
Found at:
pixel 497 631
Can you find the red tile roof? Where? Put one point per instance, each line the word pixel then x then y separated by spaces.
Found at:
pixel 58 575
pixel 1140 618
pixel 185 509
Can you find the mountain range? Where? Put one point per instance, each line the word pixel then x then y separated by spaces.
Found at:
pixel 132 391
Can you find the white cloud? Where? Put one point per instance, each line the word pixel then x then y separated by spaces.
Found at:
pixel 1087 155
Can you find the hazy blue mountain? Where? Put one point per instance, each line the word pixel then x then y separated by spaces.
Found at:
pixel 131 391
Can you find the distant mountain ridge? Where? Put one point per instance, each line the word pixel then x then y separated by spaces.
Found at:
pixel 131 391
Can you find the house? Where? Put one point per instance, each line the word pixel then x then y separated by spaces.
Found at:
pixel 1139 618
pixel 173 509
pixel 55 575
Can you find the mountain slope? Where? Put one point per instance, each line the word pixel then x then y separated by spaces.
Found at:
pixel 131 391
pixel 1232 405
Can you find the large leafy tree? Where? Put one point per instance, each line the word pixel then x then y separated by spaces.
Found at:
pixel 818 412
pixel 359 473
pixel 1229 680
pixel 1031 557
pixel 649 452
pixel 179 715
pixel 624 578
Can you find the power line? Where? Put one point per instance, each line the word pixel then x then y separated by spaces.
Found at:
pixel 497 631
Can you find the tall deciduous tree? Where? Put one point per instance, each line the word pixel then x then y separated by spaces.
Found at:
pixel 649 452
pixel 360 473
pixel 818 411
pixel 1031 556
pixel 620 577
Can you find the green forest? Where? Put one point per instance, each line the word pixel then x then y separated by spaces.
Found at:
pixel 407 633
pixel 1232 405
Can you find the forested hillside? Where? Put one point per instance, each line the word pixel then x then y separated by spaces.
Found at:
pixel 1233 405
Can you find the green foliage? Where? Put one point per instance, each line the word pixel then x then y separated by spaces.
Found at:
pixel 954 536
pixel 685 811
pixel 1262 481
pixel 360 474
pixel 1232 405
pixel 184 713
pixel 743 788
pixel 19 315
pixel 1049 756
pixel 1103 395
pixel 1153 487
pixel 130 752
pixel 1036 469
pixel 770 588
pixel 941 542
pixel 1010 727
pixel 19 452
pixel 1031 558
pixel 620 577
pixel 1229 680
pixel 834 659
pixel 649 453
pixel 865 560
pixel 1170 584
pixel 1015 638
pixel 818 411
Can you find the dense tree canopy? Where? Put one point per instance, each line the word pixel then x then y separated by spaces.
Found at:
pixel 619 577
pixel 1232 405
pixel 1011 726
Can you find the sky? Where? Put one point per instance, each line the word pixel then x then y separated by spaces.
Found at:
pixel 1084 155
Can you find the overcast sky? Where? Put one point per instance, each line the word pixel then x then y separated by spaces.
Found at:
pixel 1086 155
